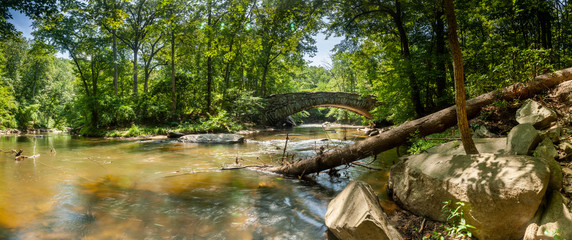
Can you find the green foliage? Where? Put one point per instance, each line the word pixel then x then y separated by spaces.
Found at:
pixel 518 65
pixel 117 112
pixel 220 123
pixel 435 236
pixel 28 116
pixel 91 131
pixel 554 234
pixel 133 131
pixel 299 116
pixel 419 145
pixel 7 108
pixel 457 225
pixel 246 107
pixel 345 116
pixel 230 54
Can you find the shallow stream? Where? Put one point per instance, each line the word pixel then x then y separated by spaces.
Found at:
pixel 159 189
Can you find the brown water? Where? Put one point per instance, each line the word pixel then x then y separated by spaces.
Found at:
pixel 105 189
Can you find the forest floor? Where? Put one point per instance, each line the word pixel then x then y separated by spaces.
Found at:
pixel 499 119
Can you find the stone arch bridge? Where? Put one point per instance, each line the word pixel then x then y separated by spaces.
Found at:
pixel 280 106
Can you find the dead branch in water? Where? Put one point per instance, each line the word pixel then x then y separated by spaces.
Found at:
pixel 19 157
pixel 22 157
pixel 285 146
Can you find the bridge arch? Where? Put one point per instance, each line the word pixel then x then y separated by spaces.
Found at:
pixel 280 106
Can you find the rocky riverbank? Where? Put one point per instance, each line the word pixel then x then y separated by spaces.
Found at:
pixel 520 185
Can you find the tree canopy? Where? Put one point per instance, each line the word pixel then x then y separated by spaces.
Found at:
pixel 165 61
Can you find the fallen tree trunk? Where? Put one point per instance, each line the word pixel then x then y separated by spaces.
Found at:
pixel 433 123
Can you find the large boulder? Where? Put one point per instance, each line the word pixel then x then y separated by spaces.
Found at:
pixel 556 218
pixel 522 139
pixel 484 145
pixel 501 192
pixel 536 114
pixel 548 153
pixel 212 138
pixel 356 214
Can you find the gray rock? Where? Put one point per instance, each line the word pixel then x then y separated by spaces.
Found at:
pixel 566 147
pixel 356 214
pixel 536 114
pixel 173 134
pixel 556 218
pixel 552 133
pixel 212 138
pixel 482 132
pixel 548 153
pixel 522 139
pixel 484 145
pixel 566 171
pixel 562 92
pixel 501 192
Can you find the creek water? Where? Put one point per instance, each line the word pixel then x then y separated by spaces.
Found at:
pixel 162 189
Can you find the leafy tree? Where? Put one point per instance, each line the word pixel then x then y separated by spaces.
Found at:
pixel 73 34
pixel 141 15
pixel 285 27
pixel 363 18
pixel 110 15
pixel 32 8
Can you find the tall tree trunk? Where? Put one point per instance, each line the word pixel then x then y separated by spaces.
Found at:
pixel 227 70
pixel 441 79
pixel 545 22
pixel 462 122
pixel 35 80
pixel 146 83
pixel 406 54
pixel 173 87
pixel 266 63
pixel 135 87
pixel 433 123
pixel 115 76
pixel 209 61
pixel 263 80
pixel 94 76
pixel 209 81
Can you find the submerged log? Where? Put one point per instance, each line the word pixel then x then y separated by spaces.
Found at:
pixel 433 123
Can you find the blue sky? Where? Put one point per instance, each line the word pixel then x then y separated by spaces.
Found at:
pixel 322 57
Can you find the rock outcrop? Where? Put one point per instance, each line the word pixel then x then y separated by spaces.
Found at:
pixel 483 132
pixel 554 133
pixel 502 193
pixel 536 114
pixel 547 152
pixel 484 145
pixel 556 219
pixel 212 138
pixel 356 214
pixel 522 139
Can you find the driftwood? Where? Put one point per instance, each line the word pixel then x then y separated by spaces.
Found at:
pixel 433 123
pixel 22 157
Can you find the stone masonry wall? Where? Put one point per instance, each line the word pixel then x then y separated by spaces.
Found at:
pixel 281 106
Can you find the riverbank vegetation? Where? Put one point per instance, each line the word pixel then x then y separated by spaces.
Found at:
pixel 203 66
